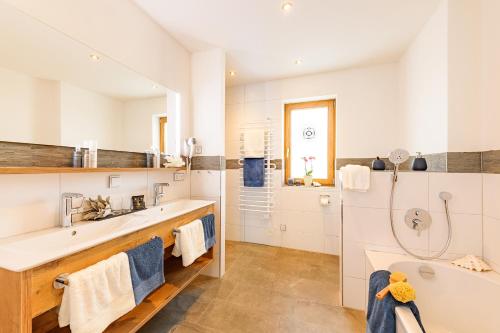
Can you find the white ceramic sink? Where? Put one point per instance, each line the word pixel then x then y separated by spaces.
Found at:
pixel 30 250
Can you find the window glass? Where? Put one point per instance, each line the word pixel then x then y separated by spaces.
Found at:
pixel 309 138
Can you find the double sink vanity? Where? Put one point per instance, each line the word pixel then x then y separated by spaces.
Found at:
pixel 31 263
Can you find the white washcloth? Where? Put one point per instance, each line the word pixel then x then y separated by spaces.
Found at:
pixel 189 242
pixel 254 143
pixel 97 295
pixel 355 178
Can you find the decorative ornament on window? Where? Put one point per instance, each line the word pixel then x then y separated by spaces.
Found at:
pixel 309 133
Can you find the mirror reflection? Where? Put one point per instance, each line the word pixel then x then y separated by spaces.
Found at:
pixel 57 91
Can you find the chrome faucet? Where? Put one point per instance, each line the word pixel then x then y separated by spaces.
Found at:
pixel 69 206
pixel 159 192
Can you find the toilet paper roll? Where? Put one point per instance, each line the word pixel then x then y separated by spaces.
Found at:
pixel 324 201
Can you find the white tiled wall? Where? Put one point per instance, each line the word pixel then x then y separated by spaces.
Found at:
pixel 31 202
pixel 309 226
pixel 367 225
pixel 491 219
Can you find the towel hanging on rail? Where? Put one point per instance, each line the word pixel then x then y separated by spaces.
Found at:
pixel 97 295
pixel 146 268
pixel 253 172
pixel 189 242
pixel 254 143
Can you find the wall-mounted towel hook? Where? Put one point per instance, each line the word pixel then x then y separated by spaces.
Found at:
pixel 60 281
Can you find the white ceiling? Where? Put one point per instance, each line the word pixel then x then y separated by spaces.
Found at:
pixel 262 41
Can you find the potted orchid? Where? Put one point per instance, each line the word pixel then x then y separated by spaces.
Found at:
pixel 308 169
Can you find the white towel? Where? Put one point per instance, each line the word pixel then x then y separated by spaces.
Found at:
pixel 355 178
pixel 254 143
pixel 189 242
pixel 97 295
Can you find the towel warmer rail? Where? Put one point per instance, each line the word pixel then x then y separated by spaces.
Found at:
pixel 258 199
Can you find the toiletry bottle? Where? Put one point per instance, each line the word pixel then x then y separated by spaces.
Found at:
pixel 93 154
pixel 86 158
pixel 77 157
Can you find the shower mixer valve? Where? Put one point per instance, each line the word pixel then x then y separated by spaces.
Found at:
pixel 418 220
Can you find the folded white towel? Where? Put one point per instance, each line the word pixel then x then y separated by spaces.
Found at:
pixel 189 242
pixel 355 178
pixel 97 295
pixel 254 143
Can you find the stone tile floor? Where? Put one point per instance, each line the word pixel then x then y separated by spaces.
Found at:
pixel 265 289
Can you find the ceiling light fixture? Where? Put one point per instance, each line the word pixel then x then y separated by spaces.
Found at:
pixel 286 5
pixel 298 62
pixel 232 73
pixel 94 57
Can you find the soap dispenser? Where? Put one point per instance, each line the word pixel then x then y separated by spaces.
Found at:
pixel 419 163
pixel 378 164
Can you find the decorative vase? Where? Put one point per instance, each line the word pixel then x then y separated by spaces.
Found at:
pixel 308 180
pixel 419 163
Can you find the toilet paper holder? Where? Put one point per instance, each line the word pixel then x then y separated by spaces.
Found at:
pixel 324 199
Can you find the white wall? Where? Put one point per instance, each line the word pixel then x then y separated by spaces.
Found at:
pixel 29 108
pixel 464 75
pixel 491 219
pixel 208 101
pixel 208 91
pixel 366 107
pixel 138 123
pixel 490 70
pixel 37 205
pixel 88 115
pixel 423 88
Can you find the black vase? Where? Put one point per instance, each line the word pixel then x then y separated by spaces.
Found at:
pixel 378 164
pixel 419 163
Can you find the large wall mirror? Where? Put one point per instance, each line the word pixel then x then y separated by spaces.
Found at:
pixel 55 90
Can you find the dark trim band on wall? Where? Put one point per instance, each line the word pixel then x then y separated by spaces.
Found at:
pixel 208 163
pixel 14 154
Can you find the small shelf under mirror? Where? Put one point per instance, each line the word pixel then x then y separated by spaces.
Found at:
pixel 42 170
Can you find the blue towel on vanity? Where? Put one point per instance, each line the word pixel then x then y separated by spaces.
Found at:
pixel 209 230
pixel 381 315
pixel 146 268
pixel 253 172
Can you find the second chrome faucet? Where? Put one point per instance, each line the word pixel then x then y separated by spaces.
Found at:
pixel 159 192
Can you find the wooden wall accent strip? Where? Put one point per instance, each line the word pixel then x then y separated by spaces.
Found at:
pixel 209 163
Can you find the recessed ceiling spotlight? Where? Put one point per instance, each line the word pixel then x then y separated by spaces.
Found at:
pixel 286 5
pixel 232 73
pixel 94 57
pixel 298 61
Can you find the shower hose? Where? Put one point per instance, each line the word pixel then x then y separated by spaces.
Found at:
pixel 391 216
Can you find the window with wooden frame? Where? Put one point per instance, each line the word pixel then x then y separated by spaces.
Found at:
pixel 310 132
pixel 163 134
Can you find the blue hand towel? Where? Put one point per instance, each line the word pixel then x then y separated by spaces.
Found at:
pixel 209 230
pixel 146 268
pixel 381 315
pixel 253 172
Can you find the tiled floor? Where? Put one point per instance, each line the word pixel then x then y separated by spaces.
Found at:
pixel 265 289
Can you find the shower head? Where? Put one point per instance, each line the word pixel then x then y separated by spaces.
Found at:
pixel 445 196
pixel 398 156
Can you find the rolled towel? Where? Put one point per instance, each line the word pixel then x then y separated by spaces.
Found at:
pixel 146 268
pixel 97 295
